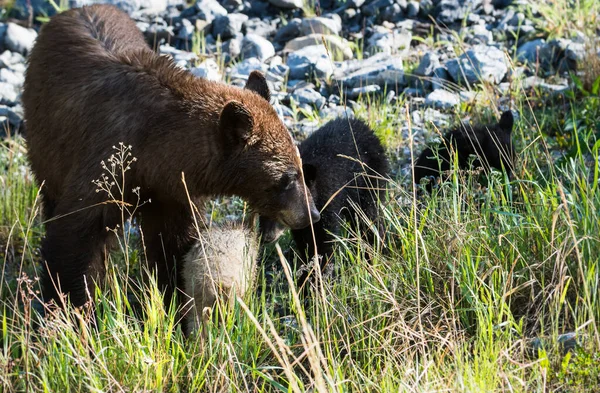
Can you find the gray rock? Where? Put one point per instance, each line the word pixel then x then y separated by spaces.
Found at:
pixel 256 46
pixel 414 92
pixel 363 90
pixel 502 3
pixel 233 5
pixel 10 59
pixel 330 112
pixel 412 9
pixel 429 62
pixel 227 26
pixel 13 115
pixel 243 69
pixel 567 342
pixel 277 73
pixel 232 48
pixel 3 28
pixel 442 99
pixel 452 11
pixel 375 7
pixel 440 78
pixel 288 32
pixel 208 69
pixel 390 42
pixel 208 10
pixel 334 99
pixel 308 96
pixel 479 64
pixel 479 34
pixel 259 27
pixel 186 31
pixel 309 61
pixel 336 45
pixel 349 3
pixel 8 94
pixel 19 39
pixel 9 76
pixel 283 111
pixel 381 70
pixel 567 54
pixel 392 13
pixel 180 56
pixel 156 6
pixel 321 25
pixel 561 55
pixel 129 6
pixel 529 51
pixel 287 4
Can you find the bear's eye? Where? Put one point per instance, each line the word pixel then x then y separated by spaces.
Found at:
pixel 287 181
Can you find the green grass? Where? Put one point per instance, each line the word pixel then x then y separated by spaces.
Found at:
pixel 468 278
pixel 451 305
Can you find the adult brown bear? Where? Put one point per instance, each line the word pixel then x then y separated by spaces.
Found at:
pixel 92 82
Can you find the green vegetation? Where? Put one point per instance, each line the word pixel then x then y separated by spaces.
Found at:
pixel 452 303
pixel 468 279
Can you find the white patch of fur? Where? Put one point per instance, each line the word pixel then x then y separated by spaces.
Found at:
pixel 221 265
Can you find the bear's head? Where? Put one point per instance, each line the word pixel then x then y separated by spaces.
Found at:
pixel 262 159
pixel 496 144
pixel 270 230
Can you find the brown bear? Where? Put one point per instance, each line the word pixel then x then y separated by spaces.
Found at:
pixel 220 265
pixel 491 145
pixel 344 166
pixel 93 82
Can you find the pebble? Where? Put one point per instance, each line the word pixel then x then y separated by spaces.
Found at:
pixel 208 69
pixel 227 26
pixel 256 46
pixel 310 61
pixel 337 46
pixel 309 96
pixel 287 4
pixel 321 25
pixel 481 63
pixel 19 39
pixel 442 99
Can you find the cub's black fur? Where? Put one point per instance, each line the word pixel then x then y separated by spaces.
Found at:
pixel 491 145
pixel 328 171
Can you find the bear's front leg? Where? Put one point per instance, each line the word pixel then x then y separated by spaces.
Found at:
pixel 167 231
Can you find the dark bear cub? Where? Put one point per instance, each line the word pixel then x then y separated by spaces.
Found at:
pixel 344 164
pixel 491 146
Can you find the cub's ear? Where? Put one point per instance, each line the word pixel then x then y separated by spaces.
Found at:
pixel 310 174
pixel 507 121
pixel 236 124
pixel 258 84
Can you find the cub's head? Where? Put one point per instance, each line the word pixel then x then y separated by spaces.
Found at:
pixel 497 144
pixel 263 162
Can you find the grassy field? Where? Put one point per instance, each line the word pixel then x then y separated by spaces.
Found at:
pixel 453 304
pixel 472 293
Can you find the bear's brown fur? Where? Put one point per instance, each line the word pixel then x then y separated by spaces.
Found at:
pixel 93 82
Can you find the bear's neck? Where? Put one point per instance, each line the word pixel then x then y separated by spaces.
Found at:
pixel 184 115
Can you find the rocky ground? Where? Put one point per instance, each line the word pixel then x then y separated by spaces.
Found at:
pixel 432 54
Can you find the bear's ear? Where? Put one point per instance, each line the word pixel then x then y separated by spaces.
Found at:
pixel 507 121
pixel 310 174
pixel 258 84
pixel 236 124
